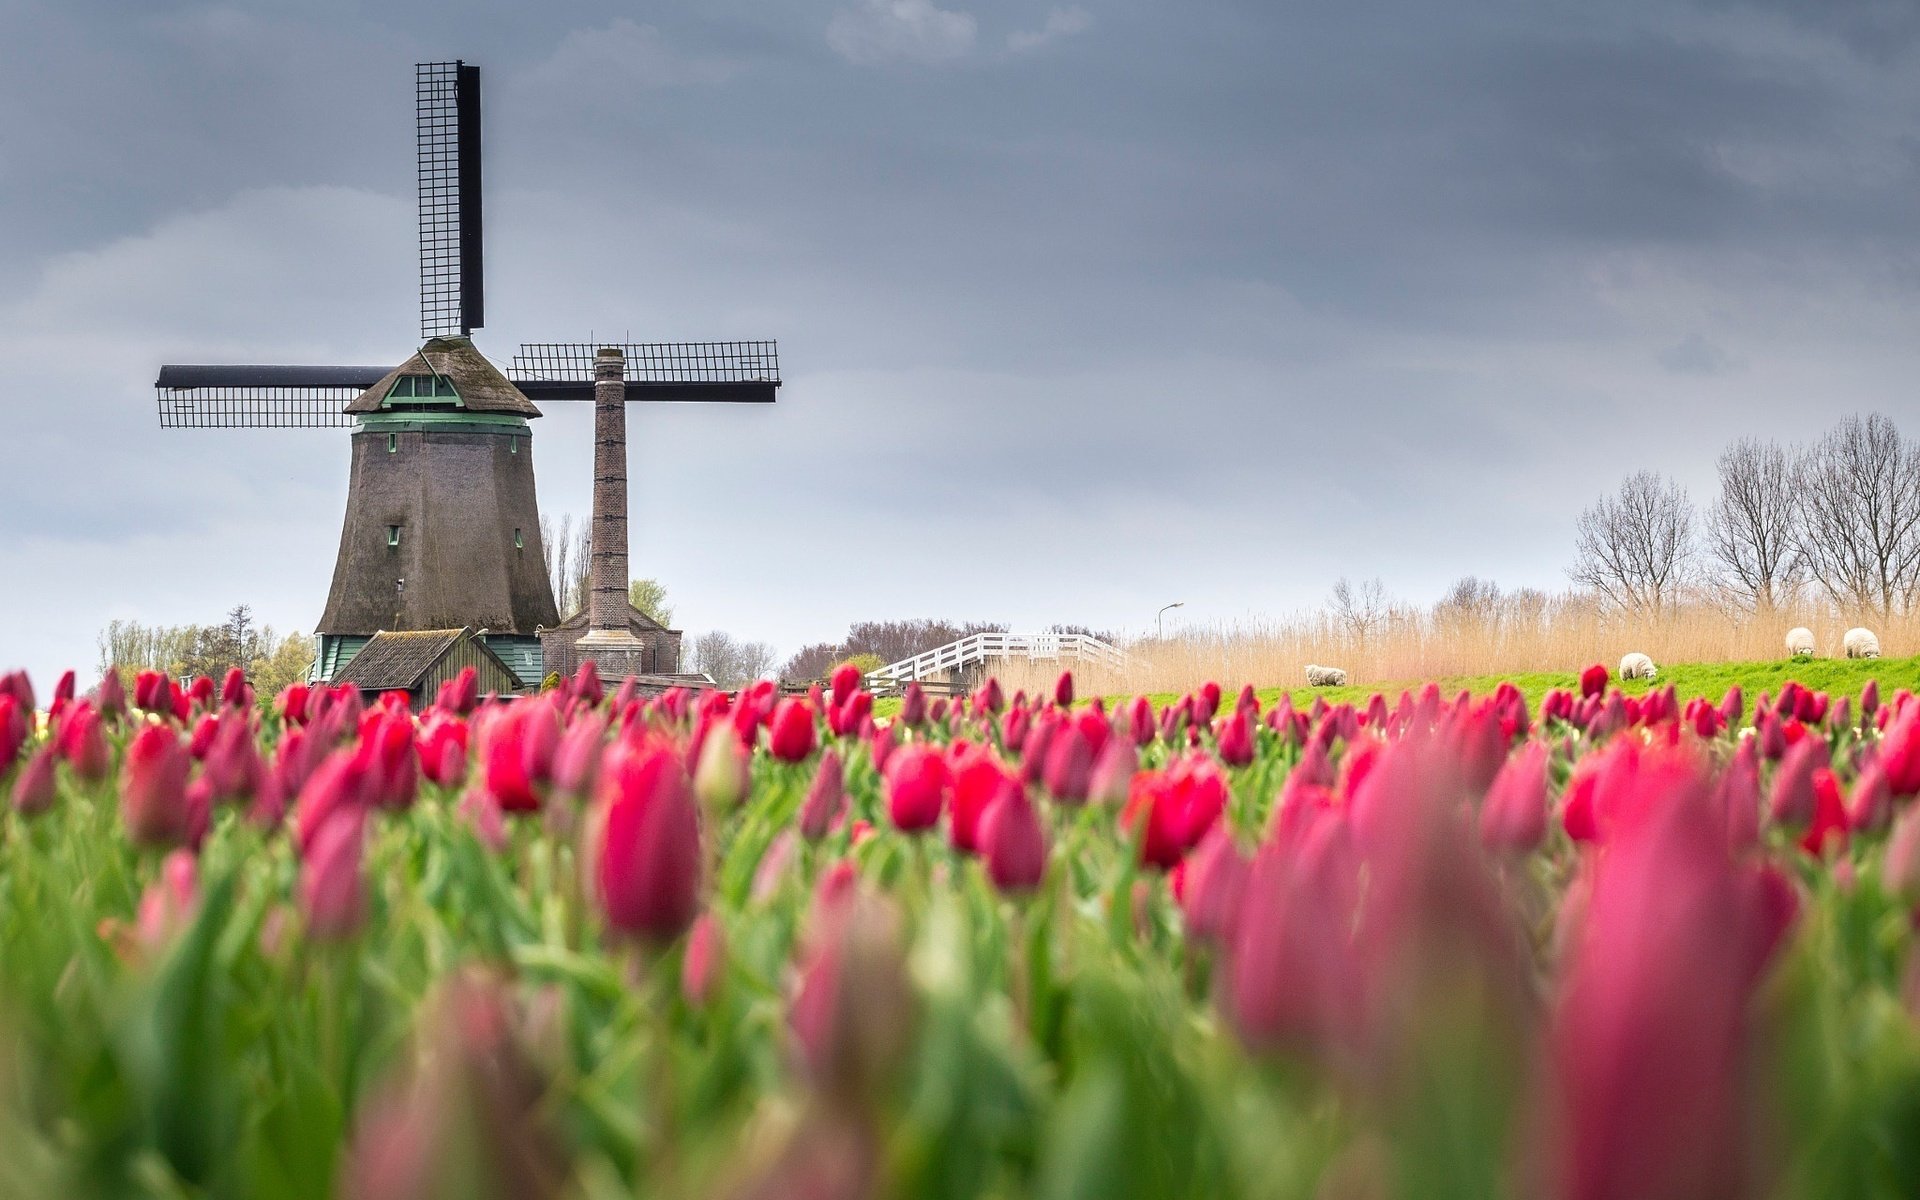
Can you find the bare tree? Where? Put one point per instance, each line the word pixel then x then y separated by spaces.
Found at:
pixel 1361 609
pixel 729 662
pixel 1636 548
pixel 1469 601
pixel 569 558
pixel 1859 531
pixel 1752 526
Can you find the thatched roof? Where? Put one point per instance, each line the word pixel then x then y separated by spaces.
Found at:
pixel 395 661
pixel 482 388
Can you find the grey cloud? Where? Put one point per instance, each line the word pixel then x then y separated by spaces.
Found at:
pixel 883 31
pixel 1060 23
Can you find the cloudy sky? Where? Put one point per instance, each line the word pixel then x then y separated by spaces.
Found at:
pixel 1082 308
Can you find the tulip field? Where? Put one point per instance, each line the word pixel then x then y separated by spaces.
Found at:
pixel 1583 945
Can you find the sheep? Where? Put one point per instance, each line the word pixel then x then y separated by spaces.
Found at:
pixel 1799 642
pixel 1326 676
pixel 1637 666
pixel 1860 643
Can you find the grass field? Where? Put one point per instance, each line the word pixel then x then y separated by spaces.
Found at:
pixel 1838 676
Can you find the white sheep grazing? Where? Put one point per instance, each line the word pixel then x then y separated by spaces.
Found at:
pixel 1325 676
pixel 1637 666
pixel 1860 643
pixel 1800 642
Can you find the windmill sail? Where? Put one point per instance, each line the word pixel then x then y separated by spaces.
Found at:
pixel 447 142
pixel 707 372
pixel 259 397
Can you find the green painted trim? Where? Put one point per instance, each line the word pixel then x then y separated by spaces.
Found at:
pixel 453 422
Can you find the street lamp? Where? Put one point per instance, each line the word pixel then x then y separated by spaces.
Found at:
pixel 1157 617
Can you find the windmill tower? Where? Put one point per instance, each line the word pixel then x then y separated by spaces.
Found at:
pixel 442 526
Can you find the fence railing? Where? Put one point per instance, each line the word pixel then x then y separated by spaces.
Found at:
pixel 981 647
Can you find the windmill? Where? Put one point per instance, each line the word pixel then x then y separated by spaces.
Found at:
pixel 442 528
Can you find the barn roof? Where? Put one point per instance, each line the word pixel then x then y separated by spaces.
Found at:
pixel 481 386
pixel 637 621
pixel 394 661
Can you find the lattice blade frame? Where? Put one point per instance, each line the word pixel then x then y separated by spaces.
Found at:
pixel 653 362
pixel 447 145
pixel 254 407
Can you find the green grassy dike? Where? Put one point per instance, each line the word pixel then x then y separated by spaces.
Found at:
pixel 1837 676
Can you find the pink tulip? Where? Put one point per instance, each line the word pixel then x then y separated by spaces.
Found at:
pixel 648 868
pixel 1216 883
pixel 1792 799
pixel 1013 842
pixel 33 791
pixel 826 798
pixel 153 791
pixel 1651 1031
pixel 333 887
pixel 1063 690
pixel 705 965
pixel 1513 818
pixel 1069 765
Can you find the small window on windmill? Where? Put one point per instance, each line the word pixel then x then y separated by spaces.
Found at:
pixel 415 393
pixel 393 535
pixel 513 445
pixel 393 443
pixel 517 543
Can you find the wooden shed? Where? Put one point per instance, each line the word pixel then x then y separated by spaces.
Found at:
pixel 418 661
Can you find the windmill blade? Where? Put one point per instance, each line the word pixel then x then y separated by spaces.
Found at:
pixel 723 372
pixel 259 397
pixel 447 143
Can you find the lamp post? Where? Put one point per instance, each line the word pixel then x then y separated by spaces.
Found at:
pixel 1160 616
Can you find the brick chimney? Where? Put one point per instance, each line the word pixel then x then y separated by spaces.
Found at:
pixel 609 641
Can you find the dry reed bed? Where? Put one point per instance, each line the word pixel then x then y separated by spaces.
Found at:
pixel 1408 646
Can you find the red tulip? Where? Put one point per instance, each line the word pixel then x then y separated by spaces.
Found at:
pixel 587 685
pixel 1870 700
pixel 979 779
pixel 517 749
pixel 1169 811
pixel 201 692
pixel 1900 752
pixel 792 736
pixel 333 887
pixel 153 791
pixel 845 682
pixel 1827 829
pixel 15 729
pixel 913 706
pixel 1012 841
pixel 1236 740
pixel 1063 690
pixel 1593 680
pixel 293 703
pixel 648 869
pixel 443 748
pixel 234 691
pixel 917 784
pixel 852 1015
pixel 63 692
pixel 83 743
pixel 33 791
